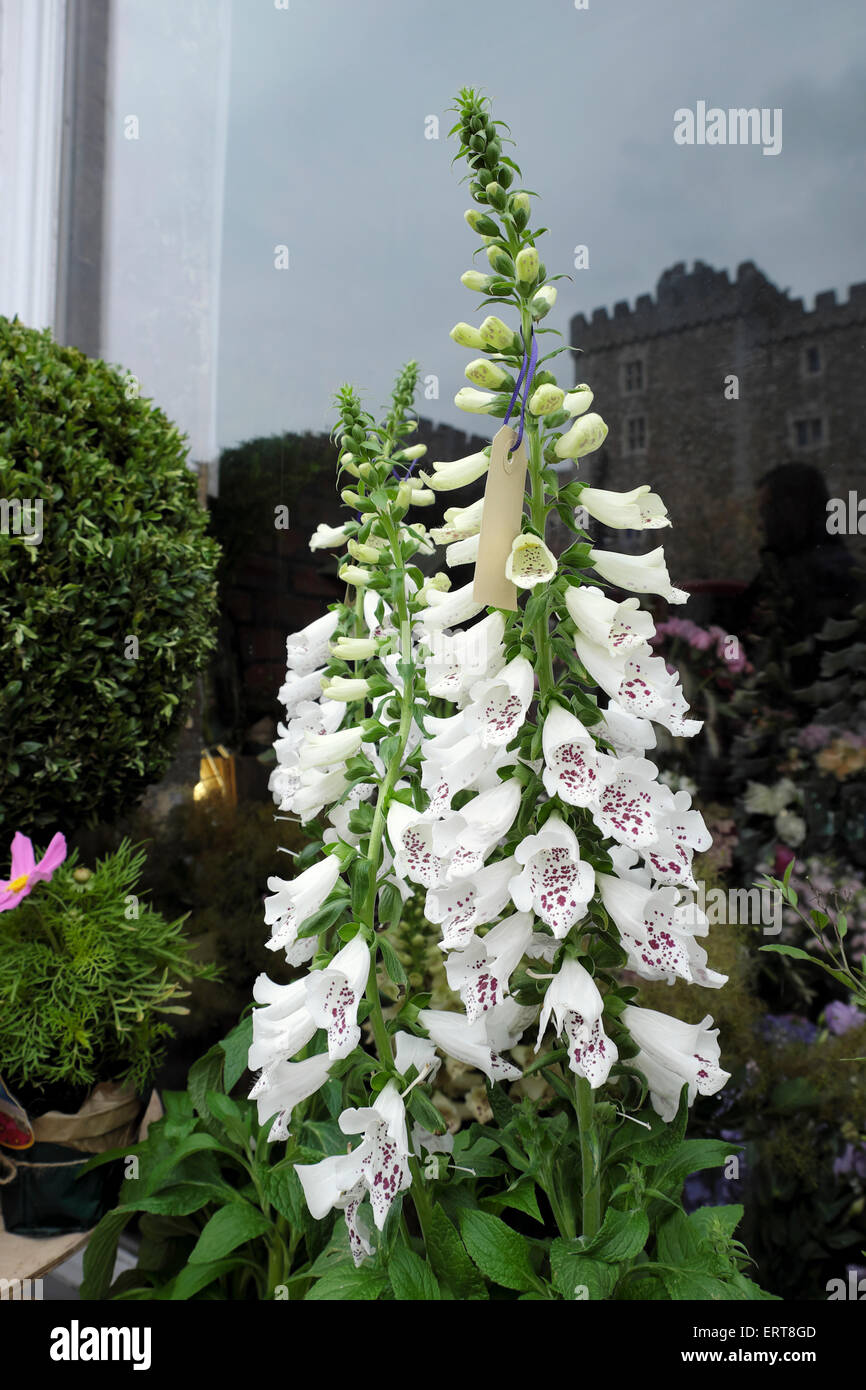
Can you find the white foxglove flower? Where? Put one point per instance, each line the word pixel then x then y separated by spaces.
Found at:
pixel 459 659
pixel 652 934
pixel 463 552
pixel 446 477
pixel 481 971
pixel 333 996
pixel 345 689
pixel 499 703
pixel 460 522
pixel 546 399
pixel 468 765
pixel 300 689
pixel 411 834
pixel 629 735
pixel 466 1042
pixel 294 900
pixel 585 436
pixel 326 750
pixel 578 401
pixel 283 783
pixel 283 1086
pixel 318 790
pixel 459 909
pixel 574 1000
pixel 637 510
pixel 506 1023
pixel 681 831
pixel 448 609
pixel 554 883
pixel 476 402
pixel 640 683
pixel 631 807
pixel 283 1026
pixel 643 574
pixel 420 1053
pixel 619 627
pixel 307 649
pixel 530 562
pixel 465 838
pixel 354 648
pixel 673 1053
pixel 574 768
pixel 328 537
pixel 356 575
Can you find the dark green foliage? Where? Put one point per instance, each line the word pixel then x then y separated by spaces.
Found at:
pixel 86 726
pixel 90 977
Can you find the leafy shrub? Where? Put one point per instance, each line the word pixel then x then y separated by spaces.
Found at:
pixel 89 717
pixel 89 976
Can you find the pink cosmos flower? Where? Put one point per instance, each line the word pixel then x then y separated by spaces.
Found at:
pixel 26 872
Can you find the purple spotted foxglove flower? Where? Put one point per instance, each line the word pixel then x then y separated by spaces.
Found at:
pixel 295 900
pixel 673 1054
pixel 554 883
pixel 576 1005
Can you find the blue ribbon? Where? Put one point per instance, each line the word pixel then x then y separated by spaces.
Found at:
pixel 527 371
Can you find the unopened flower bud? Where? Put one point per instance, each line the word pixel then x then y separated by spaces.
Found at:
pixel 475 280
pixel 367 554
pixel 82 875
pixel 481 223
pixel 351 498
pixel 482 372
pixel 496 334
pixel 355 575
pixel 578 400
pixel 520 208
pixel 344 689
pixel 496 196
pixel 467 336
pixel 415 451
pixel 500 260
pixel 354 648
pixel 526 263
pixel 475 402
pixel 543 302
pixel 546 399
pixel 586 434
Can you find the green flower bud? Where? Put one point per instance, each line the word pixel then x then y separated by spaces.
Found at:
pixel 475 280
pixel 496 334
pixel 496 195
pixel 477 191
pixel 505 176
pixel 350 467
pixel 415 451
pixel 520 207
pixel 367 554
pixel 543 302
pixel 355 575
pixel 526 263
pixel 467 336
pixel 543 401
pixel 482 372
pixel 500 261
pixel 481 223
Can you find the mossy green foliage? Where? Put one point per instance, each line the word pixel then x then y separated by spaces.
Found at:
pixel 90 977
pixel 89 718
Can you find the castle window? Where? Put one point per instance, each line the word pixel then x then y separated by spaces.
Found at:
pixel 636 434
pixel 812 364
pixel 809 433
pixel 632 375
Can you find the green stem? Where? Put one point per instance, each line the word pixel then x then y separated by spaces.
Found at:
pixel 423 1206
pixel 590 1166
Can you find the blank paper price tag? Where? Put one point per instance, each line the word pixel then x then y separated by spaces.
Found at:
pixel 501 521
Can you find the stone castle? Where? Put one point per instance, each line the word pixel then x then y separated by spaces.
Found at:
pixel 710 385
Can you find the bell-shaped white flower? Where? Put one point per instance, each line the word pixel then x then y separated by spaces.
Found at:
pixel 411 834
pixel 530 562
pixel 299 689
pixel 328 537
pixel 283 1086
pixel 576 1004
pixel 463 552
pixel 506 1023
pixel 499 703
pixel 631 807
pixel 629 735
pixel 318 790
pixel 446 477
pixel 468 765
pixel 618 627
pixel 449 609
pixel 574 768
pixel 673 1053
pixel 476 402
pixel 652 934
pixel 637 510
pixel 294 900
pixel 467 1042
pixel 585 436
pixel 308 649
pixel 420 1053
pixel 327 750
pixel 555 883
pixel 468 904
pixel 643 574
pixel 578 401
pixel 282 1026
pixel 640 683
pixel 680 832
pixel 345 689
pixel 333 996
pixel 464 838
pixel 457 660
pixel 480 972
pixel 460 522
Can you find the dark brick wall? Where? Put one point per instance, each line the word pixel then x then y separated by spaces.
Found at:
pixel 704 454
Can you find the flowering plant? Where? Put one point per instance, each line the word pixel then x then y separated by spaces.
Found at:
pixel 480 765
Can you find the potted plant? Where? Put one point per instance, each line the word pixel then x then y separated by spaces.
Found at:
pixel 90 976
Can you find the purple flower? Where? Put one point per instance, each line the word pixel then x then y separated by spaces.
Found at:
pixel 785 1028
pixel 851 1160
pixel 814 736
pixel 840 1017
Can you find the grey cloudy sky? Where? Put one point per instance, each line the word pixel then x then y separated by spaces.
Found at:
pixel 327 154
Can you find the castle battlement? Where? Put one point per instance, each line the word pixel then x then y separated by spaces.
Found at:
pixel 686 299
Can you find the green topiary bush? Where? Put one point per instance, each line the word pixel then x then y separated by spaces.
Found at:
pixel 105 621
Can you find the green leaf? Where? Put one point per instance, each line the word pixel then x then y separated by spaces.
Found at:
pixel 101 1253
pixel 623 1235
pixel 571 1270
pixel 412 1279
pixel 345 1283
pixel 682 1244
pixel 323 919
pixel 521 1196
pixel 236 1048
pixel 392 963
pixel 226 1230
pixel 182 1199
pixel 193 1278
pixel 231 1116
pixel 360 875
pixel 500 1253
pixel 206 1075
pixel 422 1109
pixel 450 1261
